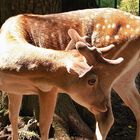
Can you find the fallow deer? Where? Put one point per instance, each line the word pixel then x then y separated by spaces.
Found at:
pixel 112 26
pixel 27 67
pixel 105 26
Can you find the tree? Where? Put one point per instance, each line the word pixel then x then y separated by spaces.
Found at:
pixel 69 5
pixel 115 4
pixel 131 6
pixel 67 115
pixel 10 8
pixel 107 3
pixel 139 7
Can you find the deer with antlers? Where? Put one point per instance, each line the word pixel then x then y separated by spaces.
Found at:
pixel 111 26
pixel 27 67
pixel 105 26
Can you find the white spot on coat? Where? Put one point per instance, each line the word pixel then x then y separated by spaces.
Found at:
pixel 137 30
pixel 98 25
pixel 127 26
pixel 116 37
pixel 126 33
pixel 107 37
pixel 113 25
pixel 108 26
pixel 103 27
pixel 106 20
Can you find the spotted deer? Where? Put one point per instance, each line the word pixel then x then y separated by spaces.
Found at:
pixel 34 59
pixel 112 26
pixel 122 29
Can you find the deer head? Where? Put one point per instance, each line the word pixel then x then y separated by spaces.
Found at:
pixel 87 82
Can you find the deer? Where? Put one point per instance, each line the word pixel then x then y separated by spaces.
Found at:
pixel 104 26
pixel 112 26
pixel 30 64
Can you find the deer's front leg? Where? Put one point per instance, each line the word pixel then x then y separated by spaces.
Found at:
pixel 47 106
pixel 104 121
pixel 14 108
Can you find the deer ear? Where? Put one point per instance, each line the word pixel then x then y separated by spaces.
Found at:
pixel 80 68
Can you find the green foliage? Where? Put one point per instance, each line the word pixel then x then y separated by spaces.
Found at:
pixel 131 6
pixel 106 3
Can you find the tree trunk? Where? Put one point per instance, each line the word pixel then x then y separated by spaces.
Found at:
pixel 13 7
pixel 66 109
pixel 115 4
pixel 69 5
pixel 139 7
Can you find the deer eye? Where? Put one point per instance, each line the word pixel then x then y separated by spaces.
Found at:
pixel 91 81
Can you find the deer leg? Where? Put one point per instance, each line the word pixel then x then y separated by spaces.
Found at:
pixel 47 106
pixel 104 121
pixel 14 108
pixel 126 89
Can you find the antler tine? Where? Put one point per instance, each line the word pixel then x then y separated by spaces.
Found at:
pixel 74 34
pixel 75 37
pixel 70 46
pixel 114 62
pixel 109 61
pixel 107 48
pixel 92 48
pixel 81 44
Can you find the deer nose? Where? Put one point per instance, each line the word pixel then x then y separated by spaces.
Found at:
pixel 96 109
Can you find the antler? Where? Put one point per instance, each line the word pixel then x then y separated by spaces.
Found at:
pixel 105 60
pixel 75 37
pixel 78 41
pixel 107 48
pixel 97 52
